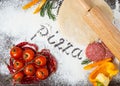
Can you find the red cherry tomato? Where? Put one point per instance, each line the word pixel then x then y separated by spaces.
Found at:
pixel 42 73
pixel 19 76
pixel 16 52
pixel 28 55
pixel 29 70
pixel 18 64
pixel 40 60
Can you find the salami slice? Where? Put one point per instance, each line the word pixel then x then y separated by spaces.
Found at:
pixel 97 51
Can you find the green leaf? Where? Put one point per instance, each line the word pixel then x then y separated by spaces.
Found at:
pixel 86 61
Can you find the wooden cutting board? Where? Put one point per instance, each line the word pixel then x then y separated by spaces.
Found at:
pixel 72 25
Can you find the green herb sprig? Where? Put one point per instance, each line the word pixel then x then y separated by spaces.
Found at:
pixel 47 8
pixel 86 61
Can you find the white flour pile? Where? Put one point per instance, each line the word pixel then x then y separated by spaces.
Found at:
pixel 22 25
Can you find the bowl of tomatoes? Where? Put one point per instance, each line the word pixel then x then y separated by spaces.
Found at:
pixel 28 65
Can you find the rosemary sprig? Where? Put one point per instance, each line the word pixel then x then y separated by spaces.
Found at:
pixel 42 12
pixel 49 11
pixel 45 6
pixel 48 7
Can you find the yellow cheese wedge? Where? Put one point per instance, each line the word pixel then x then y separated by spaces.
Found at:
pixel 103 79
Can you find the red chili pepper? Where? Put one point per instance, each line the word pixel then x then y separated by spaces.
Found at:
pixel 10 69
pixel 34 45
pixel 11 63
pixel 45 52
pixel 52 64
pixel 29 80
pixel 21 44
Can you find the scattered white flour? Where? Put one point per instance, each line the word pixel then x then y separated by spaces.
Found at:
pixel 22 25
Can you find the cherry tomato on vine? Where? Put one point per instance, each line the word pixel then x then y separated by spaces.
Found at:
pixel 19 76
pixel 16 52
pixel 28 55
pixel 42 73
pixel 18 64
pixel 29 70
pixel 40 60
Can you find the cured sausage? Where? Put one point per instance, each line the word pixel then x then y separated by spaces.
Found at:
pixel 97 51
